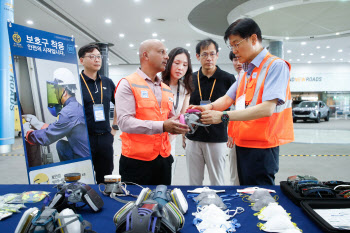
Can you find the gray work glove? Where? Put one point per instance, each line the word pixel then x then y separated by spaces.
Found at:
pixel 26 128
pixel 35 123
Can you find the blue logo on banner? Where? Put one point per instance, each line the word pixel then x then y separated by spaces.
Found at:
pixel 70 48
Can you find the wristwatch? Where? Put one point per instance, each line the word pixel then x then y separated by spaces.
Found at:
pixel 225 118
pixel 115 127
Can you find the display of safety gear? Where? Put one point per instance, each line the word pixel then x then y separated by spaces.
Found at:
pixel 141 146
pixel 210 197
pixel 251 190
pixel 163 195
pixel 63 80
pixel 262 202
pixel 259 194
pixel 205 189
pixel 265 132
pixel 76 195
pixel 271 210
pixel 278 223
pixel 48 221
pixel 33 120
pixel 148 216
pixel 192 119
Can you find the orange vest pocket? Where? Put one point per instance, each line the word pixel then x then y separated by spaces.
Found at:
pixel 254 130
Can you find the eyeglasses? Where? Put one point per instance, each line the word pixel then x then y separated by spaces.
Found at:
pixel 236 46
pixel 94 57
pixel 205 55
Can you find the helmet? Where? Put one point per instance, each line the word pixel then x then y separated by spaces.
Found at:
pixel 64 77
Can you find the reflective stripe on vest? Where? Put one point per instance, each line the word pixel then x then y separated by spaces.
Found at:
pixel 141 146
pixel 266 132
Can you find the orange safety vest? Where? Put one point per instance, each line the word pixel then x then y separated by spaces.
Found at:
pixel 142 146
pixel 266 132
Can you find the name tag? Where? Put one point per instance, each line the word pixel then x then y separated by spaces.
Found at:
pixel 204 102
pixel 99 113
pixel 144 94
pixel 254 75
pixel 240 103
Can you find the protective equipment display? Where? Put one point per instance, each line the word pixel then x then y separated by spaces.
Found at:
pixel 210 197
pixel 192 119
pixel 278 223
pixel 48 220
pixel 163 195
pixel 205 189
pixel 149 216
pixel 76 195
pixel 271 210
pixel 251 190
pixel 264 201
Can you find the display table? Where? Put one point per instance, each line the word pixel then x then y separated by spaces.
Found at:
pixel 103 221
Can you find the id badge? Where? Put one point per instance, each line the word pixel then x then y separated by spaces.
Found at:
pixel 204 102
pixel 99 113
pixel 240 103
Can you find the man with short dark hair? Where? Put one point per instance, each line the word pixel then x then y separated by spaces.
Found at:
pixel 98 92
pixel 263 117
pixel 207 146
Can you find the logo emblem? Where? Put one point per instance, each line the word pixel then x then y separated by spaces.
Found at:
pixel 16 37
pixel 144 94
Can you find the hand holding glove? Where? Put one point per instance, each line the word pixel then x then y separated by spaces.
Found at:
pixel 34 122
pixel 26 128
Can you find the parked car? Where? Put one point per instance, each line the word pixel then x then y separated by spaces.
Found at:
pixel 311 110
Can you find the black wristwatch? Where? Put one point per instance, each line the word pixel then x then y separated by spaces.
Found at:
pixel 225 118
pixel 115 127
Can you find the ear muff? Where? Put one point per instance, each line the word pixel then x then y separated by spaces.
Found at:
pixel 179 200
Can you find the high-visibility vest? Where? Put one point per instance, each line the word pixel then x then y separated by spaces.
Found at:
pixel 266 132
pixel 142 146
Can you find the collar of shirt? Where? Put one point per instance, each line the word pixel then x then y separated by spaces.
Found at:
pixel 70 99
pixel 87 79
pixel 144 76
pixel 202 75
pixel 248 67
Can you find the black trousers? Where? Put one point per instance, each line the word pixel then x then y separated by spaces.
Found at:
pixel 257 166
pixel 155 172
pixel 102 155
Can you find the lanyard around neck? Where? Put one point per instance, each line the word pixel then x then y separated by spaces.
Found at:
pixel 178 93
pixel 89 89
pixel 199 87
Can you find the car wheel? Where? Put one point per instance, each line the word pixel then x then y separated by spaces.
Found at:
pixel 318 119
pixel 327 117
pixel 294 120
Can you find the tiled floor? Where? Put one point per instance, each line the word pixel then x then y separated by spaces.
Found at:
pixel 311 139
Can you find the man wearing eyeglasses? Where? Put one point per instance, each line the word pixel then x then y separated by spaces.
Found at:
pixel 207 146
pixel 98 92
pixel 263 117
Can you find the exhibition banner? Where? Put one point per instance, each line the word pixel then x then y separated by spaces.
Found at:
pixel 54 131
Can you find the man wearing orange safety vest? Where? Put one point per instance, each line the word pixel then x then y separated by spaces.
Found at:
pixel 145 115
pixel 263 117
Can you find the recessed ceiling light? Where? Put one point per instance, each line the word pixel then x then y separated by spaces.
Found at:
pixel 190 53
pixel 108 21
pixel 290 59
pixel 289 51
pixel 287 38
pixel 137 0
pixel 337 33
pixel 162 40
pixel 76 46
pixel 303 43
pixel 298 59
pixel 327 47
pixel 137 53
pixel 333 59
pixel 271 8
pixel 188 44
pixel 323 57
pixel 311 54
pixel 341 59
pixel 340 50
pixel 30 22
pixel 109 64
pixel 219 48
pixel 131 45
pixel 121 35
pixel 309 62
pixel 302 54
pixel 318 47
pixel 166 49
pixel 154 34
pixel 87 0
pixel 147 20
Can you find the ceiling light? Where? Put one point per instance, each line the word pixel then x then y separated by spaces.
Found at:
pixel 303 43
pixel 309 62
pixel 271 8
pixel 131 45
pixel 340 50
pixel 188 44
pixel 109 64
pixel 287 38
pixel 302 54
pixel 290 59
pixel 137 1
pixel 327 47
pixel 76 46
pixel 311 54
pixel 341 59
pixel 219 48
pixel 108 21
pixel 162 40
pixel 190 53
pixel 298 59
pixel 289 51
pixel 166 49
pixel 323 57
pixel 30 22
pixel 333 59
pixel 337 33
pixel 121 35
pixel 147 20
pixel 154 34
pixel 318 47
pixel 87 0
pixel 138 53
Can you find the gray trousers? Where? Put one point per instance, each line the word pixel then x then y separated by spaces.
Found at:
pixel 199 154
pixel 232 158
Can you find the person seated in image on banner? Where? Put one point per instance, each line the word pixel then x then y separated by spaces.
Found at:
pixel 263 117
pixel 145 116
